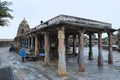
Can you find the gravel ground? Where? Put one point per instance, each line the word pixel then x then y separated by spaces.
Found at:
pixel 37 70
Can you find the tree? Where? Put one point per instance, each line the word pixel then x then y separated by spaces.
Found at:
pixel 4 13
pixel 93 36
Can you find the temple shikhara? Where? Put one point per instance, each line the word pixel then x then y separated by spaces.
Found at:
pixel 51 38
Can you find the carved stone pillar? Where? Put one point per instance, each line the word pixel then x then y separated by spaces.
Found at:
pixel 74 44
pixel 81 61
pixel 47 57
pixel 36 46
pixel 110 55
pixel 90 47
pixel 61 52
pixel 100 57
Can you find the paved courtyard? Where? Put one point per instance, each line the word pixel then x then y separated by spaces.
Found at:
pixel 37 70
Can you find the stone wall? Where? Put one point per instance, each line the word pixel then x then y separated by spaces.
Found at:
pixel 5 42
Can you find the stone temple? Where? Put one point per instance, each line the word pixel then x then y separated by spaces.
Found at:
pixel 51 38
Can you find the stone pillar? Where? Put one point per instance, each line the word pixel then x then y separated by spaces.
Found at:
pixel 28 43
pixel 74 44
pixel 90 47
pixel 66 43
pixel 24 42
pixel 32 43
pixel 66 40
pixel 81 61
pixel 61 52
pixel 100 57
pixel 47 57
pixel 110 55
pixel 36 46
pixel 20 42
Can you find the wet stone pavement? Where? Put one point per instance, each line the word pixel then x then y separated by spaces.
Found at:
pixel 20 70
pixel 37 70
pixel 6 74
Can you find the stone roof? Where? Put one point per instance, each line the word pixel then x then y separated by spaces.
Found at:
pixel 75 23
pixel 77 20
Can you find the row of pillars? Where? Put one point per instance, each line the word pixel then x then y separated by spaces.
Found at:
pixel 90 57
pixel 27 43
pixel 62 48
pixel 31 43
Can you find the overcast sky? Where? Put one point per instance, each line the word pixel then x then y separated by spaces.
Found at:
pixel 36 10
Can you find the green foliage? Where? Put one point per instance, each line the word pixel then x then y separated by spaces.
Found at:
pixel 93 36
pixel 5 13
pixel 105 39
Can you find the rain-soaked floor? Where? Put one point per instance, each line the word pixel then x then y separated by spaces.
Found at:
pixel 37 70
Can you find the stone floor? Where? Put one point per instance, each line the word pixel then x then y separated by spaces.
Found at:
pixel 37 70
pixel 6 73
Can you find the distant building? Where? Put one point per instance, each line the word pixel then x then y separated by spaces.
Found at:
pixel 5 42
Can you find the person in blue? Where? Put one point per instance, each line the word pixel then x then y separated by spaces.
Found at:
pixel 22 54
